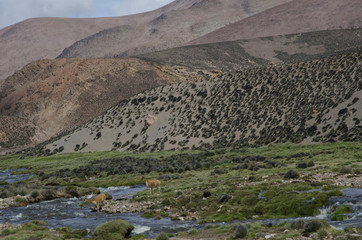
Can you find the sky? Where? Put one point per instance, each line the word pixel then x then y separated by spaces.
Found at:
pixel 13 11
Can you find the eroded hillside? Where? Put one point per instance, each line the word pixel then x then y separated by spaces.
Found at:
pixel 241 54
pixel 56 95
pixel 306 102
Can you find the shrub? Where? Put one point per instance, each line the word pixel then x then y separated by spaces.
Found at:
pixel 302 165
pixel 34 194
pixel 345 170
pixel 240 231
pixel 193 231
pixel 162 236
pixel 298 224
pixel 338 215
pixel 322 233
pixel 291 174
pixel 312 226
pixel 114 229
pixel 77 234
pixel 224 198
pixel 48 194
pixel 3 183
pixel 63 229
pixel 310 164
pixel 20 202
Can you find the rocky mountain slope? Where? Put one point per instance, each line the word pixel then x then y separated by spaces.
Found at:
pixel 311 101
pixel 16 131
pixel 56 95
pixel 282 49
pixel 296 16
pixel 46 38
pixel 170 29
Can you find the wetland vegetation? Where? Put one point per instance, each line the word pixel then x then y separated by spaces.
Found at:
pixel 208 186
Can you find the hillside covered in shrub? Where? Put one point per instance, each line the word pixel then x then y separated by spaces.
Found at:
pixel 314 101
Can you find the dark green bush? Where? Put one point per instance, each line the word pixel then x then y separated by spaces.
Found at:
pixel 162 236
pixel 114 229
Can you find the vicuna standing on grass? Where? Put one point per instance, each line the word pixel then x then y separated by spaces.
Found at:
pixel 97 200
pixel 152 184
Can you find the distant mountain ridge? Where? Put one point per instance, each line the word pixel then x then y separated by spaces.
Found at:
pixel 169 29
pixel 295 16
pixel 241 54
pixel 46 38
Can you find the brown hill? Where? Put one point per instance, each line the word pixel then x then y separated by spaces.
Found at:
pixel 46 38
pixel 238 55
pixel 170 29
pixel 56 95
pixel 306 102
pixel 292 17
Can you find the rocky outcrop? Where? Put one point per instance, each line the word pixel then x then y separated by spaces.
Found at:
pixel 126 206
pixel 150 120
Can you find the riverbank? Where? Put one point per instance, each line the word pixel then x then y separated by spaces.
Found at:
pixel 208 186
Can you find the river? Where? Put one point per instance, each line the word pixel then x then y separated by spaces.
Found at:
pixel 67 212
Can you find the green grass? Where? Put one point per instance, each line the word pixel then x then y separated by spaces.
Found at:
pixel 49 164
pixel 38 230
pixel 243 185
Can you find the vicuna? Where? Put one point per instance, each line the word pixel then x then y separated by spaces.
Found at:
pixel 152 184
pixel 97 200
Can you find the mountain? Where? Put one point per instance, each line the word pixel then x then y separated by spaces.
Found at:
pixel 295 16
pixel 46 38
pixel 311 101
pixel 178 23
pixel 55 95
pixel 169 29
pixel 52 97
pixel 241 54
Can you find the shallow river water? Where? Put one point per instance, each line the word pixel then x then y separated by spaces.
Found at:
pixel 67 212
pixel 5 175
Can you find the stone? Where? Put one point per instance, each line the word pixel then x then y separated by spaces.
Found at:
pixel 312 226
pixel 260 235
pixel 302 165
pixel 224 198
pixel 206 194
pixel 150 120
pixel 270 236
pixel 240 231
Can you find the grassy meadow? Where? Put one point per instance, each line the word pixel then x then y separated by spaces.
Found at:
pixel 209 186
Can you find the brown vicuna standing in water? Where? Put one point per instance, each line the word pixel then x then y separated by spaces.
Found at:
pixel 97 200
pixel 152 184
